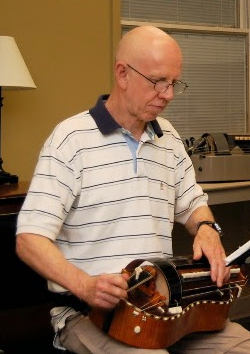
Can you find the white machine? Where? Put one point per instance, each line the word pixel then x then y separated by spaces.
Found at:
pixel 220 157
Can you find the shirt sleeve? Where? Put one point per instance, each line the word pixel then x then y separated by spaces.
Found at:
pixel 189 195
pixel 52 192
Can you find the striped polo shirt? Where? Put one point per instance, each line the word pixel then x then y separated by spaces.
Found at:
pixel 105 200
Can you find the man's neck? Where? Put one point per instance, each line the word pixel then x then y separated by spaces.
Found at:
pixel 121 116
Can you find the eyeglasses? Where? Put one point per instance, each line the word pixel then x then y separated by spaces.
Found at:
pixel 162 86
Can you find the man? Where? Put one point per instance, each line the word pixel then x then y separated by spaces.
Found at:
pixel 107 188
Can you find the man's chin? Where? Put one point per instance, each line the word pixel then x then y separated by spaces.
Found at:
pixel 152 115
pixel 157 109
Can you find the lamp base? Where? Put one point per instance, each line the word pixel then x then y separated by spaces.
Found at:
pixel 6 177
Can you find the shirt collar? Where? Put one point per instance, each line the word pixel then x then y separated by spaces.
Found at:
pixel 106 123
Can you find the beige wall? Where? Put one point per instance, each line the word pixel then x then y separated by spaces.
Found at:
pixel 68 48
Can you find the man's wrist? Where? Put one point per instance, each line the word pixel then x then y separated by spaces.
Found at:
pixel 212 224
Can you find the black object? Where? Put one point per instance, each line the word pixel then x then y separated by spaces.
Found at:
pixel 5 177
pixel 213 224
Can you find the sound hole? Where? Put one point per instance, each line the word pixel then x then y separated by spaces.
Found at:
pixel 148 290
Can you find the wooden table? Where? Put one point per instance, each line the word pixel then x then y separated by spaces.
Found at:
pixel 12 197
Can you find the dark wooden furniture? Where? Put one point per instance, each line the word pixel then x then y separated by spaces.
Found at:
pixel 24 299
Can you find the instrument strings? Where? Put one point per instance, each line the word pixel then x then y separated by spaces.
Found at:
pixel 148 305
pixel 227 286
pixel 207 293
pixel 143 308
pixel 140 282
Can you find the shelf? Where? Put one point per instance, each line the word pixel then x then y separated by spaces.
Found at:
pixel 226 192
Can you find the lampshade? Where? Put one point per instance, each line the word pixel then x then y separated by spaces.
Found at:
pixel 14 74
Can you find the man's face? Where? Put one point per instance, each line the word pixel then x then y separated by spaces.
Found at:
pixel 143 102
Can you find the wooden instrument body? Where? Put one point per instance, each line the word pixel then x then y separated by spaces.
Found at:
pixel 192 304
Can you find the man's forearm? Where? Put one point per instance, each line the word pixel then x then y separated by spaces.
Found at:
pixel 200 214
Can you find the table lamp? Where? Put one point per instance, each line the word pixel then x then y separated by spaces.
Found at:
pixel 14 75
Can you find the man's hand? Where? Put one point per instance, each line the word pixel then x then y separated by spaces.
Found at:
pixel 207 242
pixel 105 290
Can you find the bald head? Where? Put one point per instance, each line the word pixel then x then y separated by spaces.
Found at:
pixel 145 56
pixel 146 43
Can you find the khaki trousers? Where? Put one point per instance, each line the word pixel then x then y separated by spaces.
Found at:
pixel 81 336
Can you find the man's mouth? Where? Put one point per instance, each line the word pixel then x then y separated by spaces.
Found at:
pixel 159 108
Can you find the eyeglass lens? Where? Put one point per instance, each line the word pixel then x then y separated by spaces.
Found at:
pixel 178 87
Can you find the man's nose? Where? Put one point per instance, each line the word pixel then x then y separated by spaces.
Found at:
pixel 168 95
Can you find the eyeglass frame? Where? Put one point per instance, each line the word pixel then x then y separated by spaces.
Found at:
pixel 154 83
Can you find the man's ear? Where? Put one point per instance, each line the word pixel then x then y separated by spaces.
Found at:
pixel 121 74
